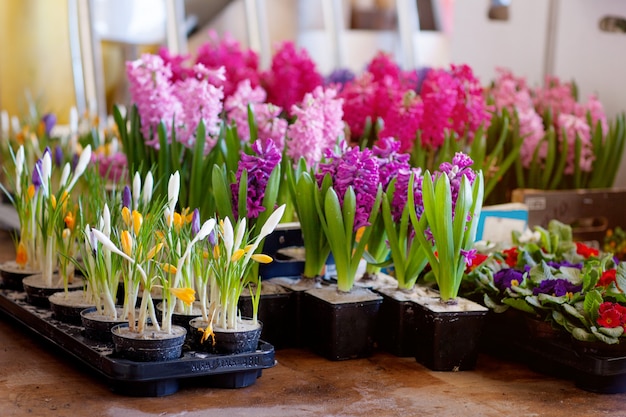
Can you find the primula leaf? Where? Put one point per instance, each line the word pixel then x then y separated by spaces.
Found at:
pixel 602 336
pixel 611 331
pixel 551 299
pixel 496 307
pixel 519 304
pixel 620 277
pixel 583 335
pixel 573 311
pixel 592 302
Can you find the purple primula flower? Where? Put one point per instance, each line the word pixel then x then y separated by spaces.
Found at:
pixel 564 263
pixel 259 168
pixel 195 223
pixel 507 278
pixel 49 120
pixel 557 287
pixel 126 197
pixel 359 170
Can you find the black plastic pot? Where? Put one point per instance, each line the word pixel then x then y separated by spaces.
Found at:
pixel 274 312
pixel 396 330
pixel 12 275
pixel 228 342
pixel 37 292
pixel 145 347
pixel 448 340
pixel 98 327
pixel 343 329
pixel 67 306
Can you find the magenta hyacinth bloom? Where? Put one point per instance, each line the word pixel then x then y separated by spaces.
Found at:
pixel 404 119
pixel 359 170
pixel 400 196
pixel 439 97
pixel 455 170
pixel 318 126
pixel 292 75
pixel 389 159
pixel 359 103
pixel 240 64
pixel 471 110
pixel 259 168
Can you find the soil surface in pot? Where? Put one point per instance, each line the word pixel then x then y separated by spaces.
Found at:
pixel 332 295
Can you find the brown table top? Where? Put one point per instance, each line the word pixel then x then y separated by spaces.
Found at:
pixel 37 379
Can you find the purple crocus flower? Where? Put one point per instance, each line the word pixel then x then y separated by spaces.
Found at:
pixel 259 168
pixel 49 120
pixel 58 156
pixel 126 197
pixel 36 177
pixel 557 287
pixel 359 170
pixel 506 278
pixel 195 223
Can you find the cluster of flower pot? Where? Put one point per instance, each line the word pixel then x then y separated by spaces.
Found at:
pixel 389 169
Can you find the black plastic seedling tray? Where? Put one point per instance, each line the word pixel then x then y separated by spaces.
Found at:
pixel 143 379
pixel 557 357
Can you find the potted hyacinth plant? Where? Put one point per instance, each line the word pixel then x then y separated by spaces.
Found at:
pixel 347 201
pixel 452 201
pixel 221 328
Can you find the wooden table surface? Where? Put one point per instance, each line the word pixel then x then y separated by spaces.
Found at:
pixel 37 379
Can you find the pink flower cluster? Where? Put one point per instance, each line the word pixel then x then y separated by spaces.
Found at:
pixel 184 101
pixel 569 117
pixel 449 101
pixel 318 126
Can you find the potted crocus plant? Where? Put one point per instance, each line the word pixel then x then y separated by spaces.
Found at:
pixel 452 202
pixel 141 242
pixel 221 328
pixel 341 318
pixel 48 214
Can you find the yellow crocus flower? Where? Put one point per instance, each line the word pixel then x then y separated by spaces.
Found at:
pixel 127 242
pixel 237 255
pixel 126 216
pixel 53 201
pixel 262 258
pixel 70 220
pixel 169 268
pixel 137 221
pixel 186 295
pixel 155 249
pixel 22 255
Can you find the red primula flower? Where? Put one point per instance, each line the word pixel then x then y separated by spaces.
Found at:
pixel 610 318
pixel 510 256
pixel 478 259
pixel 585 250
pixel 606 278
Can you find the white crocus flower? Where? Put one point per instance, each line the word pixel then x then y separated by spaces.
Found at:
pixel 239 233
pixel 67 169
pixel 46 171
pixel 83 161
pixel 136 190
pixel 147 188
pixel 228 236
pixel 173 188
pixel 106 220
pixel 269 226
pixel 19 169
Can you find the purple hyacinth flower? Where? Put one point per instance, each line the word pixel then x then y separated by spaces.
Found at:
pixel 49 120
pixel 195 223
pixel 126 197
pixel 340 76
pixel 506 278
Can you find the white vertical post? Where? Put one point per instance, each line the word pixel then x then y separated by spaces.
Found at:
pixel 332 11
pixel 408 27
pixel 258 36
pixel 175 25
pixel 76 55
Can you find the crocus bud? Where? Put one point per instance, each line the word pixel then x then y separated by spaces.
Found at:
pixel 195 223
pixel 147 188
pixel 173 188
pixel 65 175
pixel 58 156
pixel 126 197
pixel 83 161
pixel 19 169
pixel 136 190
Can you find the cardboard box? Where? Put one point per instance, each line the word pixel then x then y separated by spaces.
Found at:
pixel 590 212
